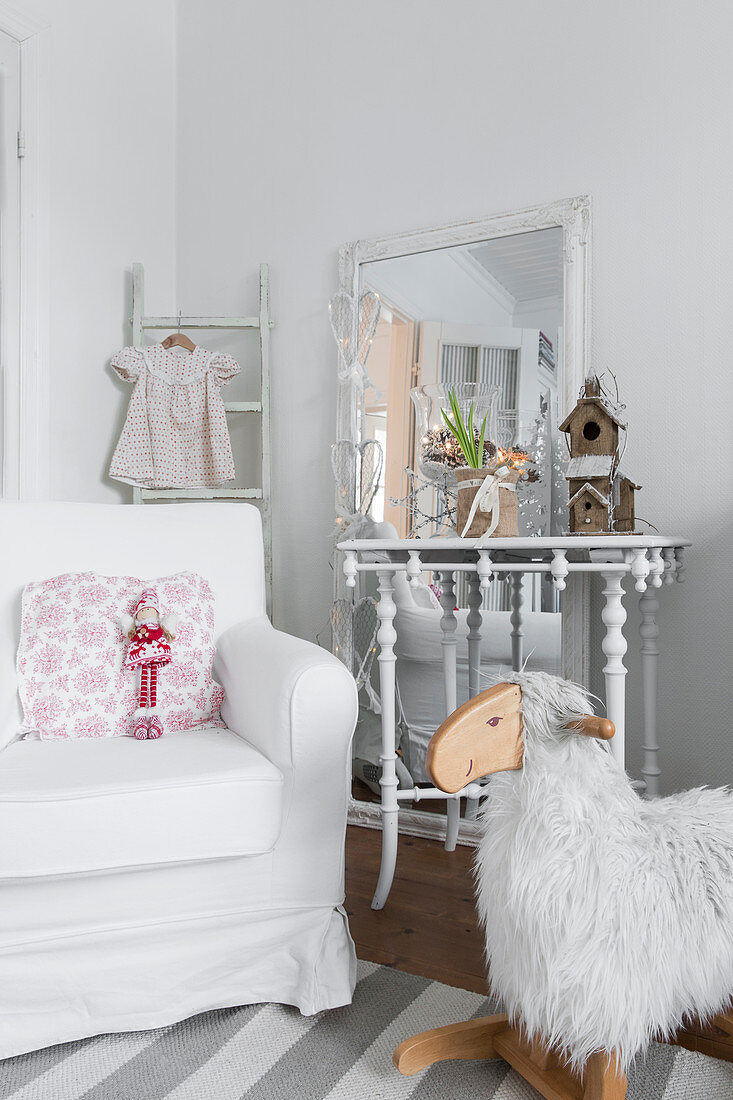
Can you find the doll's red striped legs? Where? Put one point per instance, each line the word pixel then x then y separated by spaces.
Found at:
pixel 155 729
pixel 148 725
pixel 140 729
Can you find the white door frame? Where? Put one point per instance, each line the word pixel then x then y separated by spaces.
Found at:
pixel 26 418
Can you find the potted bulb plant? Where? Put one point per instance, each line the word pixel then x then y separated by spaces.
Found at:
pixel 487 495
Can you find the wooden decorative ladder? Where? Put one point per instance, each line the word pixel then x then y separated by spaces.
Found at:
pixel 141 323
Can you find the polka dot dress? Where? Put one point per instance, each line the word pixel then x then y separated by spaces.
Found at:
pixel 175 435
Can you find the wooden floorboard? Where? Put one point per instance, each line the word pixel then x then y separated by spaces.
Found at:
pixel 428 925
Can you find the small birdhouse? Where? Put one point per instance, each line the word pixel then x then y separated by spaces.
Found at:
pixel 588 511
pixel 592 426
pixel 601 497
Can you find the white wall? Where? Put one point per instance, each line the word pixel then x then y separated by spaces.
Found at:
pixel 112 166
pixel 304 126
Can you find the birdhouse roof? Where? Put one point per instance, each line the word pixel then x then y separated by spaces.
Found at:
pixel 590 466
pixel 588 488
pixel 599 403
pixel 623 477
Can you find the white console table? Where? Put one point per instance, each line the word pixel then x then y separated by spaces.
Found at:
pixel 650 560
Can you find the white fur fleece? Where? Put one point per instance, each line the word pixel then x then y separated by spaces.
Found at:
pixel 608 918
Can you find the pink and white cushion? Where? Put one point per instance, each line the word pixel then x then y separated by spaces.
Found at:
pixel 70 676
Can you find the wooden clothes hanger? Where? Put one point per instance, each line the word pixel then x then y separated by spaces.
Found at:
pixel 179 339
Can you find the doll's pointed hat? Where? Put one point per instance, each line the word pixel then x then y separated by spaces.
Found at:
pixel 149 598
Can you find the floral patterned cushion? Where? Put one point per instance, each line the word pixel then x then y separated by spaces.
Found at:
pixel 70 675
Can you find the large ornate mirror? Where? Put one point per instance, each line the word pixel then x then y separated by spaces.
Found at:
pixel 501 306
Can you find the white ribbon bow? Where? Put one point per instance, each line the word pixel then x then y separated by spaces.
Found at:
pixel 487 499
pixel 349 525
pixel 354 322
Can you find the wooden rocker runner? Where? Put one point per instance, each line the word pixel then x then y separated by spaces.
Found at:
pixel 483 737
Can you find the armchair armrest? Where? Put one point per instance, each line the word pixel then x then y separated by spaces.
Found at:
pixel 297 704
pixel 289 698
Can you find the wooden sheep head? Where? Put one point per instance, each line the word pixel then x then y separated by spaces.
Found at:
pixel 485 736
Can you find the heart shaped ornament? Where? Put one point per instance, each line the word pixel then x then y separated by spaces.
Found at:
pixel 342 627
pixel 372 461
pixel 370 307
pixel 343 464
pixel 364 634
pixel 342 314
pixel 354 629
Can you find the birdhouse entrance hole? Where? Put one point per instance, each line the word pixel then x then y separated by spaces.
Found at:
pixel 591 430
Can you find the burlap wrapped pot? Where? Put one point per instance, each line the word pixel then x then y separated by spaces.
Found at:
pixel 469 483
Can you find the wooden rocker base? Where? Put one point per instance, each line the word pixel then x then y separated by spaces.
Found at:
pixel 492 1037
pixel 715 1040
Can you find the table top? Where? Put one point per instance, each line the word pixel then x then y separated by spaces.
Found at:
pixel 539 545
pixel 658 556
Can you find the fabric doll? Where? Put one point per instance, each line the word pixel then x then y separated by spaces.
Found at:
pixel 149 650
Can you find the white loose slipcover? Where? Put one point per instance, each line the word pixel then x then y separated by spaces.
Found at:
pixel 205 870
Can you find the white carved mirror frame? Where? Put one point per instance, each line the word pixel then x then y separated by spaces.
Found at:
pixel 573 216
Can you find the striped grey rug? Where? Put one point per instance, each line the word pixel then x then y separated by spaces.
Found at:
pixel 269 1052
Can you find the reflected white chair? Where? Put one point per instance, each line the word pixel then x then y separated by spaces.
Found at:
pixel 421 673
pixel 419 652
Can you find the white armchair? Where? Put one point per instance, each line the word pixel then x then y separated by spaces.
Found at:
pixel 143 882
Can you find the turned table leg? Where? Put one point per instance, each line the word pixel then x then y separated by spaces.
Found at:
pixel 474 621
pixel 448 625
pixel 386 637
pixel 517 634
pixel 614 647
pixel 649 631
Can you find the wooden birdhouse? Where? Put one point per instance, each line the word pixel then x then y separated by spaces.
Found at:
pixel 588 511
pixel 592 426
pixel 601 497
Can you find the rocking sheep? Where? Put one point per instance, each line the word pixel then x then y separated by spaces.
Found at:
pixel 608 918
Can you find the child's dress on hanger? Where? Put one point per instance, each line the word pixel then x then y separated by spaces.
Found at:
pixel 175 435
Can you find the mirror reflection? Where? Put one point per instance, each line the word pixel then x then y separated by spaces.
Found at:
pixel 483 321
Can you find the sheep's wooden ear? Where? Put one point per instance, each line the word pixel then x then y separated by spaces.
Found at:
pixel 481 737
pixel 590 725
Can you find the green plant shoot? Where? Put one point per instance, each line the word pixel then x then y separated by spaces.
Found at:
pixel 473 451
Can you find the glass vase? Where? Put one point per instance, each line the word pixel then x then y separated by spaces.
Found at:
pixel 526 432
pixel 438 452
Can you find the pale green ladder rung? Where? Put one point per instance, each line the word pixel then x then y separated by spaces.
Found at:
pixel 243 406
pixel 200 322
pixel 201 494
